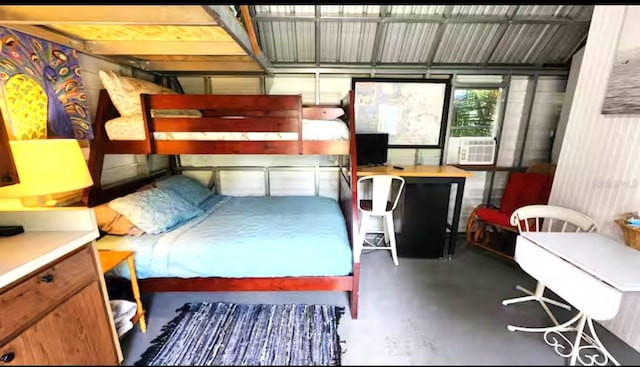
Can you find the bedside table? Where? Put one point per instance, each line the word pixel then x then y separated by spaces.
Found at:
pixel 109 260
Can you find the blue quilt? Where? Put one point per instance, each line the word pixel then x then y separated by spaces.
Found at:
pixel 250 236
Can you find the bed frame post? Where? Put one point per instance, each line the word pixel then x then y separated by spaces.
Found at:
pixel 104 112
pixel 173 164
pixel 353 183
pixel 355 292
pixel 300 143
pixel 149 126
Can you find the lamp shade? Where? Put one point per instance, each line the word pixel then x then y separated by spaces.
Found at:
pixel 47 166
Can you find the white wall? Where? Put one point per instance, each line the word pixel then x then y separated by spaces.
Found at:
pixel 569 94
pixel 116 167
pixel 598 169
pixel 221 85
pixel 89 67
pixel 244 175
pixel 545 114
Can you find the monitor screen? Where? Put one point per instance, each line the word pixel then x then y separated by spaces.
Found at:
pixel 371 149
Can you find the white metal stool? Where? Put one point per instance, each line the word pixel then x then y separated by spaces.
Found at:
pixel 380 205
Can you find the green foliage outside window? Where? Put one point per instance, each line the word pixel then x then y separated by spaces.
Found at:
pixel 475 112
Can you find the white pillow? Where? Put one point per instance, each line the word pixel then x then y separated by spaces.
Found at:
pixel 125 91
pixel 132 127
pixel 126 128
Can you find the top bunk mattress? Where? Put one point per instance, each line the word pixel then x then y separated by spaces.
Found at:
pixel 122 128
pixel 246 236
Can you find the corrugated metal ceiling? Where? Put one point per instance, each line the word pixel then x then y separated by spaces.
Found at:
pixel 430 35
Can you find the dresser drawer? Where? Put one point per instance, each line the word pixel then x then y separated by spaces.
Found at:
pixel 43 290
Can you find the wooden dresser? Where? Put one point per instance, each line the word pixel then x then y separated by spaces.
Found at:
pixel 54 308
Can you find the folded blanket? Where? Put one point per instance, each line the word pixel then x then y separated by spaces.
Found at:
pixel 123 311
pixel 123 327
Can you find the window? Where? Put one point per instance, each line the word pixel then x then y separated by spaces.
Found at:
pixel 412 112
pixel 475 112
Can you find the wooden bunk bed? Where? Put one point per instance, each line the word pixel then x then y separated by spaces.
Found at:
pixel 239 113
pixel 227 113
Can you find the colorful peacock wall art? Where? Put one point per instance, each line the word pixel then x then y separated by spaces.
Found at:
pixel 43 89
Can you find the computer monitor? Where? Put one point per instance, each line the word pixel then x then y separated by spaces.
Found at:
pixel 372 148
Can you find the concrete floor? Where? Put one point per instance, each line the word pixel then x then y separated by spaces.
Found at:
pixel 444 312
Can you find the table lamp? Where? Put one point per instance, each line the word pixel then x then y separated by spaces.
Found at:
pixel 46 167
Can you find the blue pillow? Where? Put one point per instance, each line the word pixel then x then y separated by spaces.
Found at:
pixel 188 188
pixel 155 210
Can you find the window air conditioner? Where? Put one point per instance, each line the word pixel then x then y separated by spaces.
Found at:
pixel 476 150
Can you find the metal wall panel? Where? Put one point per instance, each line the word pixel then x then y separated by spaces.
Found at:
pixel 350 10
pixel 304 84
pixel 560 11
pixel 466 43
pixel 582 13
pixel 332 89
pixel 406 43
pixel 192 84
pixel 597 170
pixel 416 10
pixel 288 41
pixel 285 9
pixel 472 34
pixel 545 114
pixel 235 85
pixel 347 42
pixel 522 43
pixel 570 92
pixel 510 139
pixel 563 44
pixel 481 10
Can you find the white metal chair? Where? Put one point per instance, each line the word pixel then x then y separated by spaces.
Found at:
pixel 548 218
pixel 381 205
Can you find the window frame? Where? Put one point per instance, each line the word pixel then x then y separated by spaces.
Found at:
pixel 495 129
pixel 445 108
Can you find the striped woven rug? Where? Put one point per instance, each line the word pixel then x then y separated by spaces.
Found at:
pixel 230 334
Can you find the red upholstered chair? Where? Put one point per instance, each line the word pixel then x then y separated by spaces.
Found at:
pixel 487 221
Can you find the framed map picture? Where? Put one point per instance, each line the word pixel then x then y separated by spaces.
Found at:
pixel 412 112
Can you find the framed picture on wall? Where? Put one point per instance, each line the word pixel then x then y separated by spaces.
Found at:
pixel 42 90
pixel 412 111
pixel 623 90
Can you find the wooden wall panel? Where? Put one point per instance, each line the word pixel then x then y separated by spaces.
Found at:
pixel 598 173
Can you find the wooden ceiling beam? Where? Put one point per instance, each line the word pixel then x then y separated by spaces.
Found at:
pixel 227 58
pixel 78 45
pixel 106 14
pixel 201 66
pixel 51 36
pixel 164 48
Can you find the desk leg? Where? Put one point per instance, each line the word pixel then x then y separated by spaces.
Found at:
pixel 457 208
pixel 564 347
pixel 136 293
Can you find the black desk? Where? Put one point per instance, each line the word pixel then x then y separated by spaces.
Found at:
pixel 426 208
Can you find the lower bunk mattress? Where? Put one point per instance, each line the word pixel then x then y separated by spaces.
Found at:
pixel 245 236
